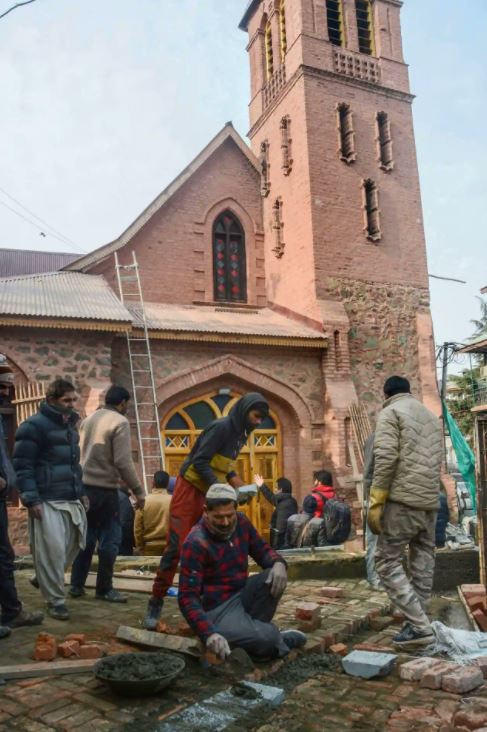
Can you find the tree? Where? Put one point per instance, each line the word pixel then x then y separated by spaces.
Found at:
pixel 481 325
pixel 460 399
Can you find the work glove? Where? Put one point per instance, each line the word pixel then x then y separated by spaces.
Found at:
pixel 218 645
pixel 246 493
pixel 377 500
pixel 277 579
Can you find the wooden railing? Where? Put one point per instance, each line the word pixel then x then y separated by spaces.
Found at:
pixel 28 398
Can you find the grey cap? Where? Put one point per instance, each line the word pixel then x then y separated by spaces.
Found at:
pixel 221 492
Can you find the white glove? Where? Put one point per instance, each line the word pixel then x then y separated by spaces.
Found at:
pixel 277 579
pixel 247 492
pixel 218 645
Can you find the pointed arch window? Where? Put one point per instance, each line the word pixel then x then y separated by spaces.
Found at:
pixel 229 265
pixel 334 16
pixel 371 210
pixel 363 9
pixel 282 29
pixel 384 139
pixel 346 133
pixel 269 53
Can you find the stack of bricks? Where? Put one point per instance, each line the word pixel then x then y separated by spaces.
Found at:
pixel 74 645
pixel 433 673
pixel 476 600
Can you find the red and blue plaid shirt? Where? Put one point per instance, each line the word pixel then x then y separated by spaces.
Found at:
pixel 213 570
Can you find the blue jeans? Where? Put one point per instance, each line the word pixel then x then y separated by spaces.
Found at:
pixel 103 527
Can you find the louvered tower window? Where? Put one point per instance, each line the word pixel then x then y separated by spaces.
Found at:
pixel 371 208
pixel 334 14
pixel 269 53
pixel 346 133
pixel 364 26
pixel 229 259
pixel 282 29
pixel 385 141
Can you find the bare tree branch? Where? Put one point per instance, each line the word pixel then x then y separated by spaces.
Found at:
pixel 18 5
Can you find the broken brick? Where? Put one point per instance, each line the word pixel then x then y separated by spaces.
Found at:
pixel 339 649
pixel 80 637
pixel 68 648
pixel 307 611
pixel 332 592
pixel 432 676
pixel 213 659
pixel 463 679
pixel 91 650
pixel 413 670
pixel 44 652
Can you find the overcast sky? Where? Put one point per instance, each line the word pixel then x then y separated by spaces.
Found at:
pixel 103 102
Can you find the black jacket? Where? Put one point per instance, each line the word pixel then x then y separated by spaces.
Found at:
pixel 214 454
pixel 285 506
pixel 46 458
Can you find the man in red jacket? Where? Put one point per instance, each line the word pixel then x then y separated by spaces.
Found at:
pixel 322 492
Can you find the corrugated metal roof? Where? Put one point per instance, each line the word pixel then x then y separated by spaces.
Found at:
pixel 226 320
pixel 15 262
pixel 61 295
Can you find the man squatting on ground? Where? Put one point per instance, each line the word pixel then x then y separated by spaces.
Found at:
pixel 403 504
pixel 225 607
pixel 46 460
pixel 212 460
pixel 13 614
pixel 106 458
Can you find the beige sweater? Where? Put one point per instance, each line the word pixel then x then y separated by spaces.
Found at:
pixel 152 522
pixel 106 451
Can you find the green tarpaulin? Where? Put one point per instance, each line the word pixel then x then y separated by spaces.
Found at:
pixel 463 452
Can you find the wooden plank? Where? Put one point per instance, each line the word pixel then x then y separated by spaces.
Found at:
pixel 47 668
pixel 133 584
pixel 140 637
pixel 468 612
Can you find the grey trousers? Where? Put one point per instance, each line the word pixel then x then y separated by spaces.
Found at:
pixel 244 620
pixel 372 575
pixel 403 526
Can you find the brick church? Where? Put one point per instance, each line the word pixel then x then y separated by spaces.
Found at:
pixel 295 267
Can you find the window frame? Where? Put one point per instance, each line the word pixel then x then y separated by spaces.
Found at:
pixel 350 156
pixel 341 24
pixel 242 258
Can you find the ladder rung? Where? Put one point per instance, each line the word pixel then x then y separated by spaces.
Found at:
pixel 143 355
pixel 147 421
pixel 141 371
pixel 130 338
pixel 150 439
pixel 146 404
pixel 144 387
pixel 151 457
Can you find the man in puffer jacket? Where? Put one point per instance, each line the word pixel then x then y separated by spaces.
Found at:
pixel 213 459
pixel 47 463
pixel 404 500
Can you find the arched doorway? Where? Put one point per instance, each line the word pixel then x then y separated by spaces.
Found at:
pixel 262 454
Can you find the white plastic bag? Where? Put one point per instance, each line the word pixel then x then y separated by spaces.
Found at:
pixel 462 646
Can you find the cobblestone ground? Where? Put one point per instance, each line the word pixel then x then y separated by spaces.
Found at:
pixel 318 695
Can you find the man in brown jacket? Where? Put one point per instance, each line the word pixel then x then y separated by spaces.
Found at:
pixel 106 458
pixel 403 504
pixel 152 522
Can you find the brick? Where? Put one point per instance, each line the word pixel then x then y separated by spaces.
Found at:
pixel 373 648
pixel 44 652
pixel 413 670
pixel 477 602
pixel 91 650
pixel 332 592
pixel 433 676
pixel 480 619
pixel 381 623
pixel 472 590
pixel 68 648
pixel 463 679
pixel 471 716
pixel 339 649
pixel 80 637
pixel 307 611
pixel 481 662
pixel 308 626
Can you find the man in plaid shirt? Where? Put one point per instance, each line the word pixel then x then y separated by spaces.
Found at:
pixel 225 607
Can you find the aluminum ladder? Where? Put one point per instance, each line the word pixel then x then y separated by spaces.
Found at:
pixel 141 372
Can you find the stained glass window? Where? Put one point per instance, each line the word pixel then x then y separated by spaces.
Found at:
pixel 177 422
pixel 229 259
pixel 201 414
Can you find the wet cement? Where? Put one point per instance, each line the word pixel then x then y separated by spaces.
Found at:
pixel 139 667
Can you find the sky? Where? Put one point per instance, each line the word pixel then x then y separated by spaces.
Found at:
pixel 104 103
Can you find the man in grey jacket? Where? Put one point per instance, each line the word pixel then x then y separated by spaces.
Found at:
pixel 403 504
pixel 106 458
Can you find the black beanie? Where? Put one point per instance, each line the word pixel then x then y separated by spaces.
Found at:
pixel 396 385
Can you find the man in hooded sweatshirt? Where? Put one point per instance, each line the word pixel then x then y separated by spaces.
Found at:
pixel 212 460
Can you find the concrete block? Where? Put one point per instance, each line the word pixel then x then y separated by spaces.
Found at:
pixel 273 695
pixel 432 676
pixel 332 592
pixel 463 679
pixel 307 611
pixel 413 670
pixel 367 664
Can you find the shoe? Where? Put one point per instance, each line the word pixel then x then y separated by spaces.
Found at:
pixel 376 587
pixel 25 618
pixel 112 596
pixel 58 612
pixel 409 637
pixel 77 591
pixel 294 638
pixel 154 609
pixel 4 631
pixel 34 581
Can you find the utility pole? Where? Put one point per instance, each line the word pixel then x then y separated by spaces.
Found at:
pixel 444 376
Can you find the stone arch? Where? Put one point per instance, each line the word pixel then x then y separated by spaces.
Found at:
pixel 22 373
pixel 294 413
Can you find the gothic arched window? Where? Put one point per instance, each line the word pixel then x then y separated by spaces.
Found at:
pixel 282 30
pixel 229 274
pixel 364 26
pixel 269 51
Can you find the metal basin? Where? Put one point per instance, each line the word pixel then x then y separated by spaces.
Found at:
pixel 138 674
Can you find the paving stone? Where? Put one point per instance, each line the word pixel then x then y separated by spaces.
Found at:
pixel 332 592
pixel 367 665
pixel 381 622
pixel 413 670
pixel 462 680
pixel 432 676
